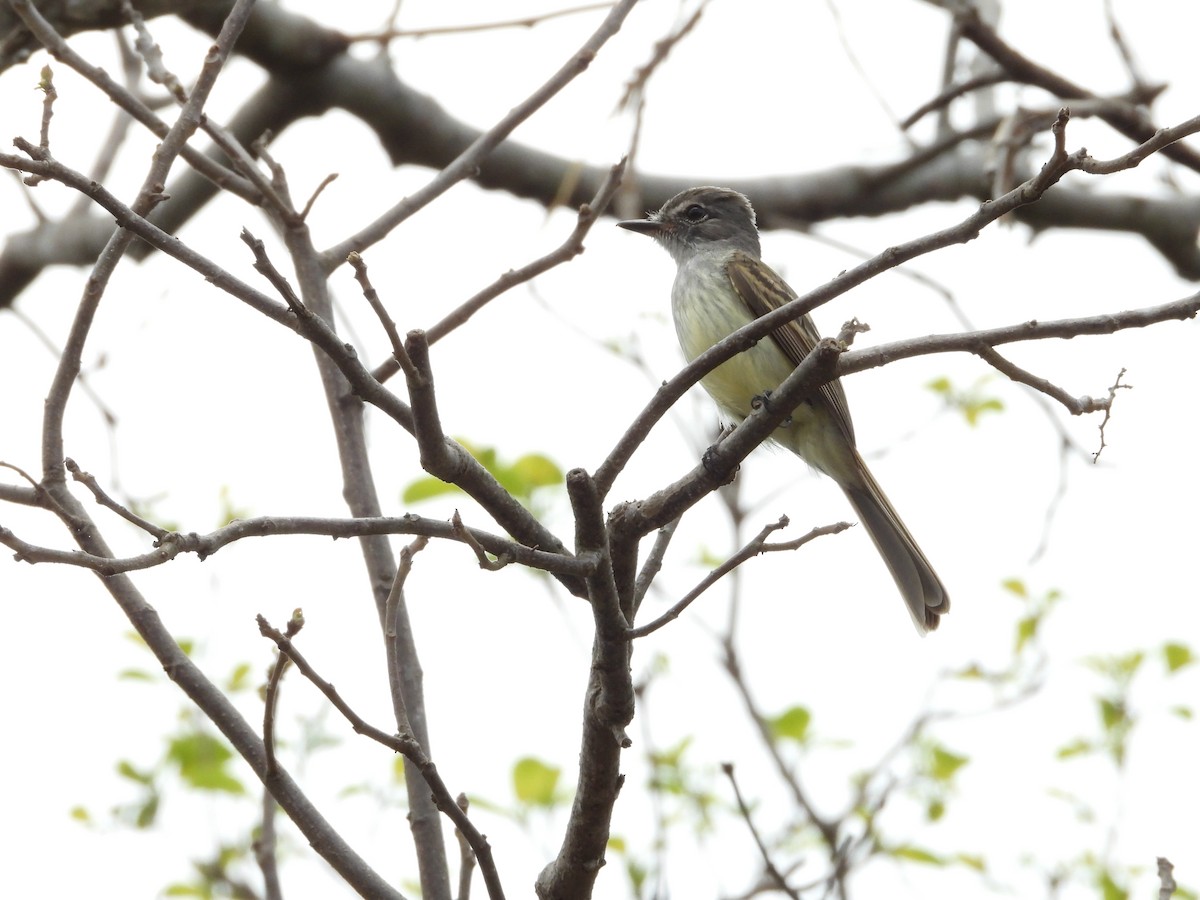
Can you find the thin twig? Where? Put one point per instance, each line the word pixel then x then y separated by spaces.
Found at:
pixel 776 876
pixel 568 250
pixel 266 847
pixel 399 354
pixel 653 564
pixel 460 530
pixel 1112 393
pixel 1130 121
pixel 404 744
pixel 46 86
pixel 953 92
pixel 126 100
pixel 523 22
pixel 466 856
pixel 271 700
pixel 266 268
pixel 89 481
pixel 1076 406
pixel 758 544
pixel 467 162
pixel 636 85
pixel 403 569
pixel 827 828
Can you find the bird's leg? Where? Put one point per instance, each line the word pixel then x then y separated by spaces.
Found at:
pixel 709 459
pixel 763 401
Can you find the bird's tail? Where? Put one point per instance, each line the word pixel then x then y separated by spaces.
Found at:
pixel 920 586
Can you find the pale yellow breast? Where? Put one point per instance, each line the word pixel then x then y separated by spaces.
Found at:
pixel 706 310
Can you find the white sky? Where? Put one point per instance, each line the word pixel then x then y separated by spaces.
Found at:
pixel 209 397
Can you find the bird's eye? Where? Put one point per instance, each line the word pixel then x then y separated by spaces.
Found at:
pixel 695 213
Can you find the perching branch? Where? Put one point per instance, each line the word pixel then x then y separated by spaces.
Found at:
pixel 1059 164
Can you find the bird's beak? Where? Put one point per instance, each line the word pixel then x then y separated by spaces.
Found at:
pixel 651 227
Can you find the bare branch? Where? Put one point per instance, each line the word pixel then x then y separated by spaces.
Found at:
pixel 1112 393
pixel 523 22
pixel 271 700
pixel 608 709
pixel 491 565
pixel 399 355
pixel 467 162
pixel 1131 122
pixel 968 229
pixel 774 873
pixel 1077 406
pixel 89 481
pixel 757 545
pixel 1166 879
pixel 406 745
pixel 652 565
pixel 175 543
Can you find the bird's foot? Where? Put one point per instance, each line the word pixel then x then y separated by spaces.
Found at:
pixel 713 465
pixel 763 401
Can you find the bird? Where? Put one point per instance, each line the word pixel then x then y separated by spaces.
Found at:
pixel 722 284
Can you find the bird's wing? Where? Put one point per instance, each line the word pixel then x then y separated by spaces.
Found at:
pixel 763 291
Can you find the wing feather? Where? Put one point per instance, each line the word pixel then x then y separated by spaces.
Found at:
pixel 763 291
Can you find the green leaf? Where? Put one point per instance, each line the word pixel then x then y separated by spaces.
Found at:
pixel 917 854
pixel 970 672
pixel 147 812
pixel 230 512
pixel 426 489
pixel 1177 656
pixel 935 810
pixel 791 724
pixel 616 844
pixel 1119 668
pixel 1112 713
pixel 537 470
pixel 970 401
pixel 203 763
pixel 520 478
pixel 185 890
pixel 945 763
pixel 1183 712
pixel 1110 889
pixel 1078 747
pixel 534 782
pixel 135 675
pixel 1027 630
pixel 80 814
pixel 974 409
pixel 398 769
pixel 1016 587
pixel 239 678
pixel 970 860
pixel 126 769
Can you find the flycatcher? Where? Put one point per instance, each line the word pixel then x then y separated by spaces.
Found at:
pixel 721 285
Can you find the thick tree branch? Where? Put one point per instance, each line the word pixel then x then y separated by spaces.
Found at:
pixel 608 709
pixel 313 73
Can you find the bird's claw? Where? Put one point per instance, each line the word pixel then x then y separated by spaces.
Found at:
pixel 712 464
